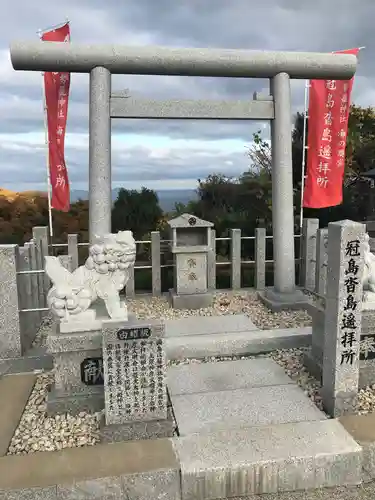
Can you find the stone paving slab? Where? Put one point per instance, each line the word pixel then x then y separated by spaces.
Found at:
pixel 14 394
pixel 269 459
pixel 236 343
pixel 206 325
pixel 213 411
pixel 224 376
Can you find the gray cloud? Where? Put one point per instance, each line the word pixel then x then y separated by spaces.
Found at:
pixel 271 25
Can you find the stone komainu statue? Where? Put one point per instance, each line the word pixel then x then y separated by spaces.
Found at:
pixel 104 275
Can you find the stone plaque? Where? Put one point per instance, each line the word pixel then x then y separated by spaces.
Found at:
pixel 191 273
pixel 92 371
pixel 133 333
pixel 134 373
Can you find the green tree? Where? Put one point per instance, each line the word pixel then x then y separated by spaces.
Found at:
pixel 137 211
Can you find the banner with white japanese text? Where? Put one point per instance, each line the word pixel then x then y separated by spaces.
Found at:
pixel 56 88
pixel 328 114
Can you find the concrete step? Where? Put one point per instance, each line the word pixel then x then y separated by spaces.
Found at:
pixel 214 411
pixel 269 459
pixel 224 376
pixel 235 342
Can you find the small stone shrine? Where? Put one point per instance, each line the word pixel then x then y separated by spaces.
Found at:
pixel 135 388
pixel 191 242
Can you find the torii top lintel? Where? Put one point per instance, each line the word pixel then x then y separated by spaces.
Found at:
pixel 79 58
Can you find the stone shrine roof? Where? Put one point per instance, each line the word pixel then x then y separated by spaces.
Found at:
pixel 188 220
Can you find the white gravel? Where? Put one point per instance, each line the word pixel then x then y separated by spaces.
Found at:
pixel 225 303
pixel 37 432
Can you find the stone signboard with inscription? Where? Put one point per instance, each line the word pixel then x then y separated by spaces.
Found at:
pixel 343 316
pixel 134 372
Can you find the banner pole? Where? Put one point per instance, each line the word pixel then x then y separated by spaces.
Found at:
pixel 304 147
pixel 50 220
pixel 49 187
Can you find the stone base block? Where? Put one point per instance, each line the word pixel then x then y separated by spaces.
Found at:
pixel 340 404
pixel 135 431
pixel 268 459
pixel 35 359
pixel 280 301
pixel 91 320
pixel 194 301
pixel 74 403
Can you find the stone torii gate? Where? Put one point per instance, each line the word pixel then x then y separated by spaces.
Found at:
pixel 103 60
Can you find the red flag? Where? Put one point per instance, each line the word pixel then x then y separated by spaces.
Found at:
pixel 329 104
pixel 56 88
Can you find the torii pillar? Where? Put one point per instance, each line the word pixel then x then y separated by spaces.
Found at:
pixel 284 293
pixel 100 179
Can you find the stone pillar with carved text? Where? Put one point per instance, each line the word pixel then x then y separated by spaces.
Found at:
pixel 343 314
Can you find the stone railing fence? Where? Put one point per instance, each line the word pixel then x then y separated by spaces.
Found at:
pixel 24 284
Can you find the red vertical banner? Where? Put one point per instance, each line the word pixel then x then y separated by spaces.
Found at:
pixel 56 89
pixel 329 105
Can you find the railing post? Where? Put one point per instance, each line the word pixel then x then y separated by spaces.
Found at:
pixel 130 286
pixel 260 258
pixel 25 299
pixel 321 261
pixel 211 263
pixel 40 237
pixel 35 280
pixel 309 229
pixel 34 317
pixel 10 334
pixel 73 250
pixel 235 259
pixel 155 263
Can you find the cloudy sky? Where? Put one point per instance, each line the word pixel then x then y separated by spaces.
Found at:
pixel 169 154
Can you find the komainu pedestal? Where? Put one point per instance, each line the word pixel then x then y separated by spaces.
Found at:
pixel 80 301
